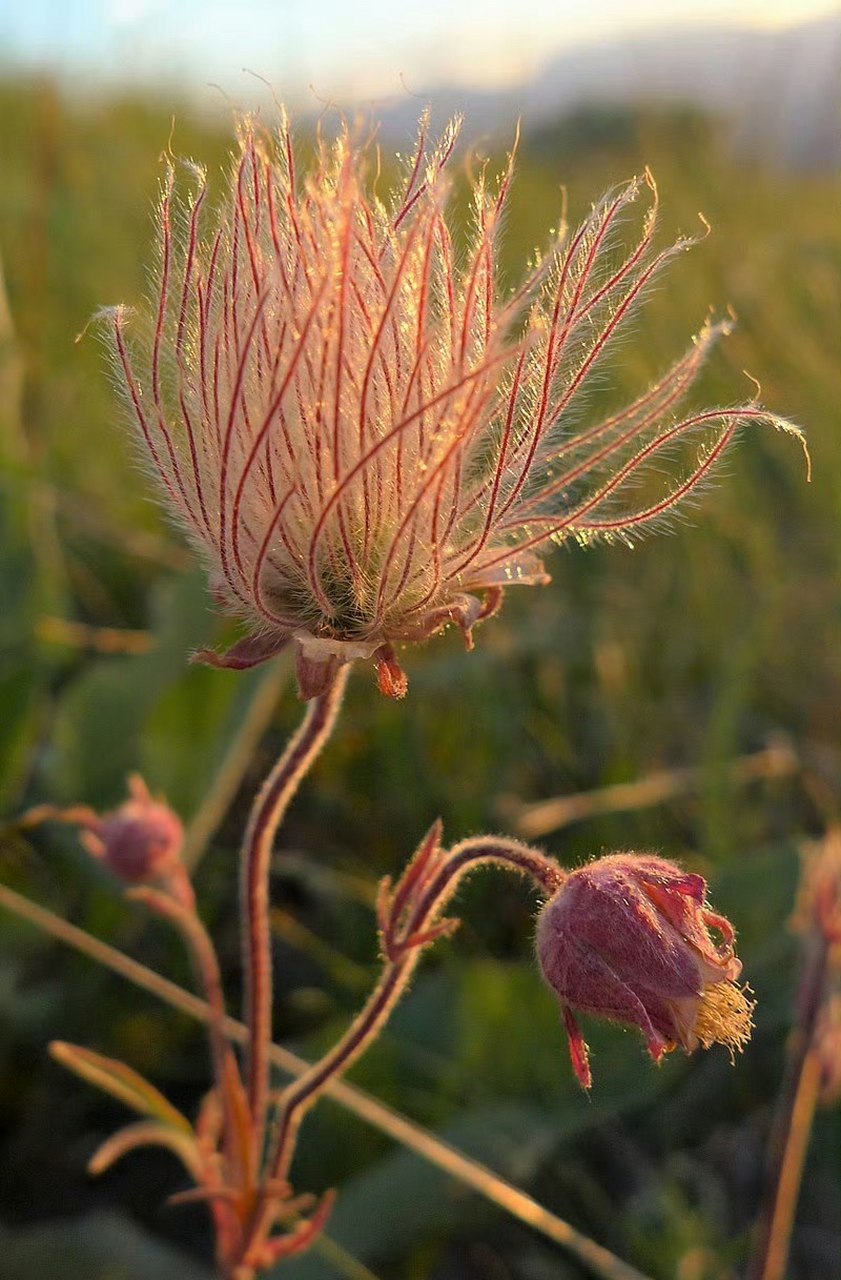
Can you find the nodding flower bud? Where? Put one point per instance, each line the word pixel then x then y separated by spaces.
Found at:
pixel 628 938
pixel 140 841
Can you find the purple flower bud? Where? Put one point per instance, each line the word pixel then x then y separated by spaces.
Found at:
pixel 141 840
pixel 628 938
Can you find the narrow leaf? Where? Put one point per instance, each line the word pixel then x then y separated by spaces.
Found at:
pixel 121 1082
pixel 147 1133
pixel 240 1140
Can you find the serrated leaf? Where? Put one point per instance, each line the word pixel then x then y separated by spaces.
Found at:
pixel 123 1083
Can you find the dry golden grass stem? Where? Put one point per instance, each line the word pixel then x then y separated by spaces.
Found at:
pixel 818 917
pixel 11 372
pixel 472 1173
pixel 343 1261
pixel 531 821
pixel 773 1254
pixel 79 635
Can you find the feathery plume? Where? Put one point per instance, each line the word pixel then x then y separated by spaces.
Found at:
pixel 366 441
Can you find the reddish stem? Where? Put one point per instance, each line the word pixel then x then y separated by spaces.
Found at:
pixel 419 918
pixel 206 963
pixel 266 815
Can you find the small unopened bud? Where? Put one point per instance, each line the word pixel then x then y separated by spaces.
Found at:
pixel 628 938
pixel 140 841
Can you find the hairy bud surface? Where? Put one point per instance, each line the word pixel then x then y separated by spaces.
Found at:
pixel 629 937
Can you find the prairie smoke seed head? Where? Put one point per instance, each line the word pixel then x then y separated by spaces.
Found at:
pixel 365 441
pixel 628 938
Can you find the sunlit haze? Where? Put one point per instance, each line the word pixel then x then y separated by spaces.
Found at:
pixel 337 49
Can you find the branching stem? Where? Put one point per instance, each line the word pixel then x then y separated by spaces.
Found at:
pixel 410 922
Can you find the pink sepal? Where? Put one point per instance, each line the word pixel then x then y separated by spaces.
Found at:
pixel 315 674
pixel 248 652
pixel 578 1050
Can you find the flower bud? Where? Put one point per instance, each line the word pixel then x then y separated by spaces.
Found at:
pixel 141 840
pixel 627 937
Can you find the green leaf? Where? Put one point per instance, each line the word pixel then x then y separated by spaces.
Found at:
pixel 512 1045
pixel 121 1082
pixel 102 716
pixel 502 1047
pixel 388 1208
pixel 20 717
pixel 190 729
pixel 102 1246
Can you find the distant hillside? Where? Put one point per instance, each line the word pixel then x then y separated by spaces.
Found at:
pixel 781 89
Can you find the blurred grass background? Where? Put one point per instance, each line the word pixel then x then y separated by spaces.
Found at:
pixel 691 649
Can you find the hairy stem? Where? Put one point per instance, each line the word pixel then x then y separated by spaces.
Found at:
pixel 206 963
pixel 487 851
pixel 266 815
pixel 426 1145
pixel 418 918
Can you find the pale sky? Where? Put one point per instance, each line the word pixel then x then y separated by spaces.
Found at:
pixel 342 48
